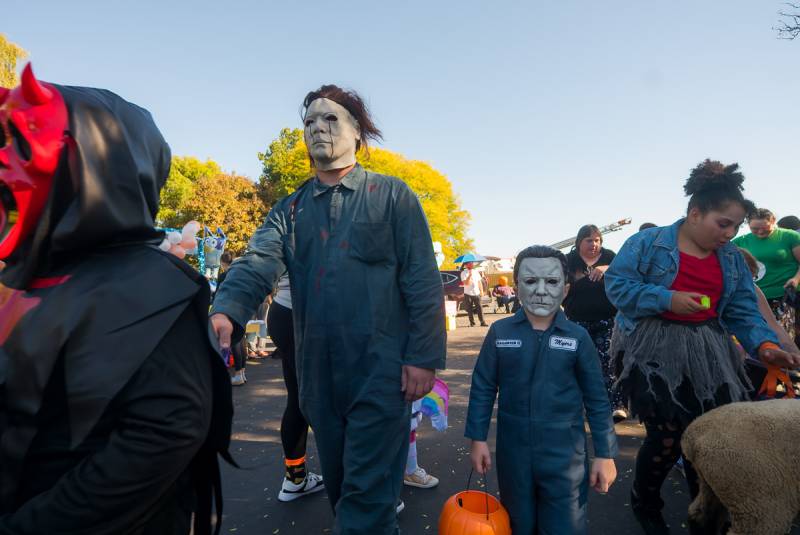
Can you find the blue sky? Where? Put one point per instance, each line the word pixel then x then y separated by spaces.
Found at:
pixel 545 115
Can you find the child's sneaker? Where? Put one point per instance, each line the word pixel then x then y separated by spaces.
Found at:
pixel 237 379
pixel 291 491
pixel 620 415
pixel 421 479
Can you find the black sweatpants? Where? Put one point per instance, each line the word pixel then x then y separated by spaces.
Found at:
pixel 294 428
pixel 473 304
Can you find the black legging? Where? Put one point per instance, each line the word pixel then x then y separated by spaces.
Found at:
pixel 294 428
pixel 657 455
pixel 239 351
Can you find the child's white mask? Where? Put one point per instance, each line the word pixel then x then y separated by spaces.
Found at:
pixel 331 134
pixel 541 285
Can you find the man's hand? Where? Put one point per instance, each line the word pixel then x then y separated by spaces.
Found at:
pixel 794 282
pixel 602 475
pixel 223 328
pixel 685 303
pixel 480 457
pixel 416 382
pixel 779 357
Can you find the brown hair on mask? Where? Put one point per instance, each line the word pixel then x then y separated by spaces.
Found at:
pixel 354 104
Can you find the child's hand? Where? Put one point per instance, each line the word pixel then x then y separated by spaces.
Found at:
pixel 685 303
pixel 603 474
pixel 480 457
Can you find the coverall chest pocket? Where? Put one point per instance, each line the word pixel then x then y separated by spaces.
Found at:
pixel 371 242
pixel 509 364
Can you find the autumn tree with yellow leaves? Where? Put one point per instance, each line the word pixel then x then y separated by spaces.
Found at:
pixel 10 56
pixel 286 167
pixel 201 191
pixel 230 202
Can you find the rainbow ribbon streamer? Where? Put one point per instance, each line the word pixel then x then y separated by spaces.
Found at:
pixel 435 405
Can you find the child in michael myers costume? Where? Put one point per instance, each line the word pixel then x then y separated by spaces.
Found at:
pixel 547 373
pixel 114 401
pixel 366 304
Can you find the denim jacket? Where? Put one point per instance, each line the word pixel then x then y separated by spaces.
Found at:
pixel 639 278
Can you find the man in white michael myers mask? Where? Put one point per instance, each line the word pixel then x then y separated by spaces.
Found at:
pixel 547 371
pixel 331 134
pixel 367 309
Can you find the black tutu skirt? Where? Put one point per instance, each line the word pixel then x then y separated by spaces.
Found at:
pixel 678 370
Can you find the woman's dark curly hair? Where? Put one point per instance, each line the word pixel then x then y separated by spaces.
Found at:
pixel 712 185
pixel 353 103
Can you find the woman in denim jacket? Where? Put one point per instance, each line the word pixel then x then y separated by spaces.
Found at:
pixel 681 291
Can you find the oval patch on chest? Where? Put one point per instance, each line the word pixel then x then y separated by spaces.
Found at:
pixel 563 343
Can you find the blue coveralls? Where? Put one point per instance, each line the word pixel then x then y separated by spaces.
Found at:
pixel 366 299
pixel 545 380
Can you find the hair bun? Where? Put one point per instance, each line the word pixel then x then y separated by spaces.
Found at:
pixel 712 175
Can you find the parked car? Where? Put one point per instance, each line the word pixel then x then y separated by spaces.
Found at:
pixel 454 288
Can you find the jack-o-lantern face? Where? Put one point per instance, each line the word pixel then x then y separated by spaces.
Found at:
pixel 33 124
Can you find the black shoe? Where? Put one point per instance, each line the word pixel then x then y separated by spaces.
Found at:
pixel 484 325
pixel 651 520
pixel 699 529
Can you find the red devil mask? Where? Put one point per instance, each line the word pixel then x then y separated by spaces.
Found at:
pixel 33 124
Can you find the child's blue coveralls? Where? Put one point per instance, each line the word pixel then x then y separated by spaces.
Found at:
pixel 545 380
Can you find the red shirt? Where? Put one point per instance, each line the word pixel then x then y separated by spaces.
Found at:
pixel 700 275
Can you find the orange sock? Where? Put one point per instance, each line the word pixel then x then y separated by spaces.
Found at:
pixel 296 470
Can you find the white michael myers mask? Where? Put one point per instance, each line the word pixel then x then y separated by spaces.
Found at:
pixel 541 285
pixel 331 135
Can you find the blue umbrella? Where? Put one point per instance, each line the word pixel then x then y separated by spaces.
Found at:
pixel 469 257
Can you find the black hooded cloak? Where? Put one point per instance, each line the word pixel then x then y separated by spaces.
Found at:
pixel 114 401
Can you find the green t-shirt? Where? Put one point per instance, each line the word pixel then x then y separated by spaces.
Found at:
pixel 775 253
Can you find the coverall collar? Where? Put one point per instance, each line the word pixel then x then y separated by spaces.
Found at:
pixel 560 320
pixel 351 181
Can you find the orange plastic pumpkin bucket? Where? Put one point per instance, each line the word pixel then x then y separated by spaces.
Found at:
pixel 473 512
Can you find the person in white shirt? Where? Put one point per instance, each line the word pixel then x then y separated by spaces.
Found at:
pixel 473 286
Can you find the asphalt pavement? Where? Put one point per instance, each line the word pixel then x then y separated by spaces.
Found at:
pixel 251 506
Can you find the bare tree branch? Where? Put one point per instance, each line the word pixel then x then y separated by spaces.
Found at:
pixel 789 28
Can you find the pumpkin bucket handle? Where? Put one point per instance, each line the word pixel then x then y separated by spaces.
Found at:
pixel 486 482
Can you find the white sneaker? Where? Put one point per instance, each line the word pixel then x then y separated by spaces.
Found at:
pixel 620 415
pixel 421 479
pixel 237 379
pixel 400 507
pixel 291 491
pixel 244 374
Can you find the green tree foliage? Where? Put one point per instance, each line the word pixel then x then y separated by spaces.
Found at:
pixel 10 55
pixel 286 166
pixel 230 202
pixel 180 188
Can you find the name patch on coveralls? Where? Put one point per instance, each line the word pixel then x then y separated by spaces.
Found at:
pixel 508 343
pixel 565 344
